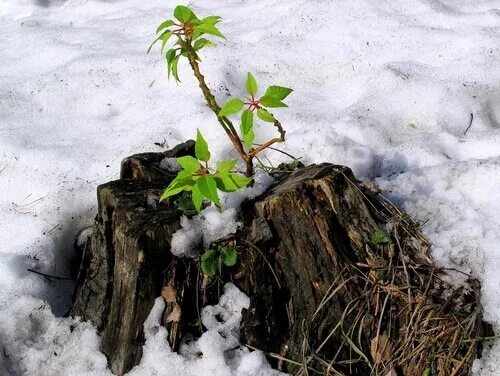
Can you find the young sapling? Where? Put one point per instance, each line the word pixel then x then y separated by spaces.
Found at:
pixel 189 33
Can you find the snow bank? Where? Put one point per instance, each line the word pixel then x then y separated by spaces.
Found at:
pixel 387 87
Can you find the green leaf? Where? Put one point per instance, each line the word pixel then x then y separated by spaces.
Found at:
pixel 164 25
pixel 265 115
pixel 201 43
pixel 197 198
pixel 240 180
pixel 170 55
pixel 246 121
pixel 278 92
pixel 201 148
pixel 209 28
pixel 182 182
pixel 229 256
pixel 189 163
pixel 247 128
pixel 183 13
pixel 185 205
pixel 165 37
pixel 209 262
pixel 208 188
pixel 211 20
pixel 225 183
pixel 231 182
pixel 268 101
pixel 381 237
pixel 174 67
pixel 166 34
pixel 196 34
pixel 251 84
pixel 226 166
pixel 232 106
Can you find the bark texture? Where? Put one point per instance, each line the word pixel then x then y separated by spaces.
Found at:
pixel 124 260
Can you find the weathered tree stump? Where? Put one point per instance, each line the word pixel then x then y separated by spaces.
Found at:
pixel 340 280
pixel 124 260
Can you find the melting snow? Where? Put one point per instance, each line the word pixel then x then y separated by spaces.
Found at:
pixel 386 87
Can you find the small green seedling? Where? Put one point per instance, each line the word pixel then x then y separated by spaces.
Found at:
pixel 189 35
pixel 381 237
pixel 202 181
pixel 213 260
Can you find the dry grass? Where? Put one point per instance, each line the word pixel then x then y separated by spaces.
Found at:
pixel 407 321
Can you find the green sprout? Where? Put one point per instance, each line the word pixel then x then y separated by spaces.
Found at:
pixel 186 35
pixel 212 260
pixel 202 181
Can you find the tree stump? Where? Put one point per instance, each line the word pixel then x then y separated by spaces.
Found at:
pixel 124 260
pixel 340 280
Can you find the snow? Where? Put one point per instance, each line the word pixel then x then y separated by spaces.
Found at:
pixel 170 164
pixel 386 87
pixel 222 353
pixel 205 227
pixel 210 224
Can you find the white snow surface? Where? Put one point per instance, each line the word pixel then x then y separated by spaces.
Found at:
pixel 386 87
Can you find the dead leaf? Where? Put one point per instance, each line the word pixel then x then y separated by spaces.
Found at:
pixel 168 293
pixel 381 348
pixel 175 315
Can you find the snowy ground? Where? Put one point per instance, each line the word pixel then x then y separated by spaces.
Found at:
pixel 386 87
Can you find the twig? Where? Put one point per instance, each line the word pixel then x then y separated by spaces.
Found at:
pixel 50 277
pixel 28 204
pixel 280 151
pixel 53 228
pixel 480 339
pixel 470 123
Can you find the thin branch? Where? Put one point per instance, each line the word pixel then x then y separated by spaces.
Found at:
pixel 470 123
pixel 281 151
pixel 51 277
pixel 267 144
pixel 209 97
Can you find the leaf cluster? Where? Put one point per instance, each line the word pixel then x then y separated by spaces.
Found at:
pixel 213 260
pixel 189 30
pixel 203 182
pixel 273 98
pixel 381 237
